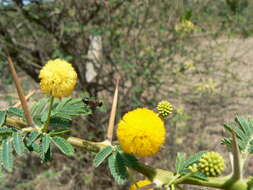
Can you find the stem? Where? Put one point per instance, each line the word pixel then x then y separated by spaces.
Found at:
pixel 180 180
pixel 87 145
pixel 20 93
pixel 45 128
pixel 216 182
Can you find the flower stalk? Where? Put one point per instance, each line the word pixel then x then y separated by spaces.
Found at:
pixel 45 128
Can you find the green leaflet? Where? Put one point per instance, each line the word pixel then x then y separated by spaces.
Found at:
pixel 44 150
pixel 39 107
pixel 2 117
pixel 59 122
pixel 63 145
pixel 36 148
pixel 47 156
pixel 18 143
pixel 180 161
pixel 5 131
pixel 15 112
pixel 129 160
pixel 45 143
pixel 102 155
pixel 7 155
pixel 32 137
pixel 117 168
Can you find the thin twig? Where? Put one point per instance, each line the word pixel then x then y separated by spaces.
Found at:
pixel 113 112
pixel 20 93
pixel 26 97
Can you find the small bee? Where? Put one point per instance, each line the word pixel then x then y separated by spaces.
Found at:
pixel 92 103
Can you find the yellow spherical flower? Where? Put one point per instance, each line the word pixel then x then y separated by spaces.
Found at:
pixel 140 184
pixel 211 164
pixel 58 78
pixel 141 132
pixel 164 108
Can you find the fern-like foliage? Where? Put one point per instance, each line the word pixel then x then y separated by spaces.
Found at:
pixel 13 140
pixel 69 107
pixel 243 129
pixel 62 111
pixel 10 140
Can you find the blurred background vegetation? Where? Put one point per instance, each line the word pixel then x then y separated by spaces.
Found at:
pixel 195 53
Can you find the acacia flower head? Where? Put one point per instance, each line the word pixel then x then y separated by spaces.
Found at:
pixel 211 164
pixel 164 108
pixel 57 78
pixel 141 132
pixel 140 184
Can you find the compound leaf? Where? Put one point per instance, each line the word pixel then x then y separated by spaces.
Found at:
pixel 244 133
pixel 69 107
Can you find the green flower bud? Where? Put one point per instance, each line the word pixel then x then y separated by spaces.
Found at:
pixel 164 108
pixel 211 164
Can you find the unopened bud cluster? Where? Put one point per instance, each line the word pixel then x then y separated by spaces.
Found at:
pixel 211 164
pixel 164 108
